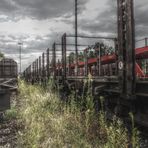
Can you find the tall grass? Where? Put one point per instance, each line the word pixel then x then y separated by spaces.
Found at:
pixel 51 123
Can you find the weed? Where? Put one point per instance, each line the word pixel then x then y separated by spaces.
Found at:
pixel 135 140
pixel 50 122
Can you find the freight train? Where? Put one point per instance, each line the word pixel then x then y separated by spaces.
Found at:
pixel 103 67
pixel 8 82
pixel 118 73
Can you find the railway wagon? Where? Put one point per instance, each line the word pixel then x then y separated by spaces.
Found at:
pixel 8 81
pixel 120 76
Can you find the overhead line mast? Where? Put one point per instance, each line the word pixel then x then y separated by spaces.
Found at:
pixel 76 34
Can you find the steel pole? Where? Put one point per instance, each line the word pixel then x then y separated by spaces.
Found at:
pixel 20 45
pixel 76 34
pixel 20 60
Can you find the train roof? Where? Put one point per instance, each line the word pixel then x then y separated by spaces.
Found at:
pixel 7 59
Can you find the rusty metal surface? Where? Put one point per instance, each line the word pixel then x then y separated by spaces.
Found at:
pixel 64 55
pixel 126 46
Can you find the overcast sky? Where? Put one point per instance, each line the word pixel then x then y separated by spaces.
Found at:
pixel 38 23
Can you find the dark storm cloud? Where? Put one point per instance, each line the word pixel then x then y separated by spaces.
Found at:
pixel 7 6
pixel 37 9
pixel 106 22
pixel 141 18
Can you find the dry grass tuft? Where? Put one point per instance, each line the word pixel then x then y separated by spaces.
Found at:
pixel 50 123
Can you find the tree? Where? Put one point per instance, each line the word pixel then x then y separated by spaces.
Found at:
pixel 81 56
pixel 1 55
pixel 72 57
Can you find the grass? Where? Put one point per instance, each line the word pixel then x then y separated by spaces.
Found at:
pixel 12 114
pixel 51 123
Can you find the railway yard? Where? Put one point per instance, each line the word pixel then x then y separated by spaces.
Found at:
pixel 78 95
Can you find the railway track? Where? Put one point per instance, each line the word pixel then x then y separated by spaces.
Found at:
pixel 8 134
